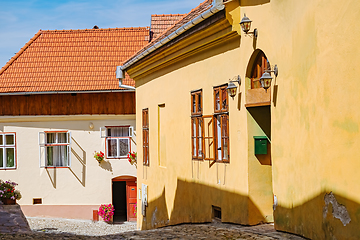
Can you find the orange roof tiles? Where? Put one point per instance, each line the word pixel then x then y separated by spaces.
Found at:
pixel 204 6
pixel 72 60
pixel 159 23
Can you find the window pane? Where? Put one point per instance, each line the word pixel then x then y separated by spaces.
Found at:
pixel 57 156
pixel 112 147
pixel 1 139
pixel 10 157
pixel 50 137
pixel 9 139
pixel 118 132
pixel 224 99
pixel 62 137
pixel 1 157
pixel 193 103
pixel 199 103
pixel 124 147
pixel 200 137
pixel 217 99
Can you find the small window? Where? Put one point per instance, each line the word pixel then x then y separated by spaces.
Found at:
pixel 145 136
pixel 7 151
pixel 117 141
pixel 220 99
pixel 55 149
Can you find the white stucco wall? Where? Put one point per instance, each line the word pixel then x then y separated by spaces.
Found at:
pixel 86 182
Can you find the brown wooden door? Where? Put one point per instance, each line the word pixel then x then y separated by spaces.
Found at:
pixel 131 200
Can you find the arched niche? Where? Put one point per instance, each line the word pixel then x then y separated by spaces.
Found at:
pixel 257 65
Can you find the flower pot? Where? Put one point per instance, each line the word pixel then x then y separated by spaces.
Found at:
pixel 8 201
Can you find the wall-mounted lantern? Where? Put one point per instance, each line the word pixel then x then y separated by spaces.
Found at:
pixel 245 26
pixel 266 78
pixel 232 87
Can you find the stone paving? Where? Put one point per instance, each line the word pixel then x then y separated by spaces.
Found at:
pixel 13 225
pixel 184 231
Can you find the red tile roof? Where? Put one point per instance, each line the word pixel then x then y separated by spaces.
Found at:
pixel 204 6
pixel 72 60
pixel 159 23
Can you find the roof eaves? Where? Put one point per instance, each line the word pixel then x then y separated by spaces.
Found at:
pixel 165 38
pixel 20 52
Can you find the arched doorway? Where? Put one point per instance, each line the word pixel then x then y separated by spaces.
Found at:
pixel 124 198
pixel 259 135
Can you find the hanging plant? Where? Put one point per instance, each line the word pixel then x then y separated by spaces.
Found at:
pixel 132 158
pixel 99 156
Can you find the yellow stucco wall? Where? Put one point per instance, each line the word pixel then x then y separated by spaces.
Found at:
pixel 313 113
pixel 85 183
pixel 180 189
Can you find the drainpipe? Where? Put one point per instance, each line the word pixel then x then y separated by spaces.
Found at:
pixel 218 5
pixel 120 75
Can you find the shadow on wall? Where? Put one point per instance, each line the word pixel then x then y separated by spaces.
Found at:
pixel 194 203
pixel 327 216
pixel 78 162
pixel 51 172
pixel 246 3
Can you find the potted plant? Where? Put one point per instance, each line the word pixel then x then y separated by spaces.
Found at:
pixel 99 156
pixel 106 212
pixel 8 194
pixel 132 158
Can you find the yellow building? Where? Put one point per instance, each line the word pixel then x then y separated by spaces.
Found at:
pixel 287 154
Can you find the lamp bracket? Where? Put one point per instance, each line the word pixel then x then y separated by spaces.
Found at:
pixel 275 71
pixel 237 79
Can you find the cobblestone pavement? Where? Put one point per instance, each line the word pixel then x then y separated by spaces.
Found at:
pixel 88 230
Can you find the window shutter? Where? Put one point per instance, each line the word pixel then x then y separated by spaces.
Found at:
pixel 103 133
pixel 42 156
pixel 42 138
pixel 69 148
pixel 208 140
pixel 131 131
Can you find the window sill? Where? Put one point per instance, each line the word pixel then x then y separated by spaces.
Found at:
pixel 14 168
pixel 55 167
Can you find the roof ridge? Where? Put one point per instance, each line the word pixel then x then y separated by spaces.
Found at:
pixel 94 30
pixel 162 15
pixel 20 51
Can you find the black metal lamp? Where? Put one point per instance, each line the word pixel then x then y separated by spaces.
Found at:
pixel 266 78
pixel 245 26
pixel 232 88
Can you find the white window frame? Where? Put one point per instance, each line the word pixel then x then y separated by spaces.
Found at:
pixel 43 144
pixel 5 146
pixel 104 134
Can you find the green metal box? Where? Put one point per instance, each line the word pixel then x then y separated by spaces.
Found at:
pixel 261 143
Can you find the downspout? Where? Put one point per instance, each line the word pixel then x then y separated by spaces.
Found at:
pixel 218 5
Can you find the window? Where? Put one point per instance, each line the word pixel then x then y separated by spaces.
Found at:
pixel 260 65
pixel 196 125
pixel 117 141
pixel 221 120
pixel 7 151
pixel 145 135
pixel 210 133
pixel 55 149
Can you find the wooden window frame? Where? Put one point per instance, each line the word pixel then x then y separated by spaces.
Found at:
pixel 145 136
pixel 5 146
pixel 197 129
pixel 260 65
pixel 196 97
pixel 223 95
pixel 223 135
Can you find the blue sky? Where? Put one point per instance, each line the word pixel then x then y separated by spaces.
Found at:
pixel 20 20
